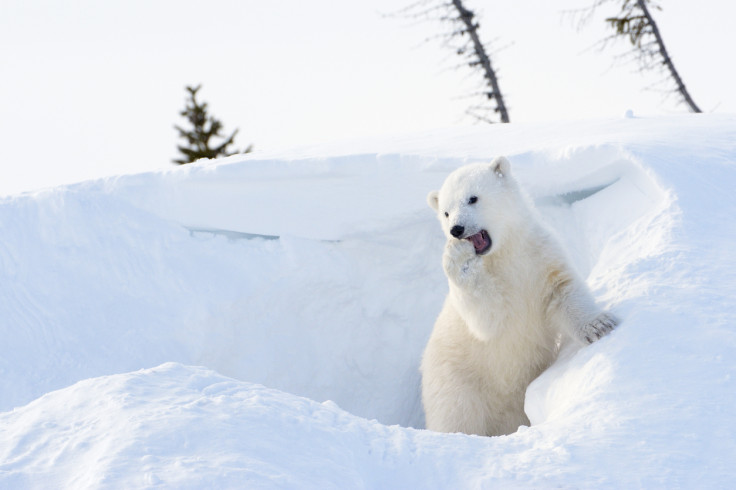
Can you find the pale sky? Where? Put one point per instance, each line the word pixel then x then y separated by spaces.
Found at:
pixel 93 88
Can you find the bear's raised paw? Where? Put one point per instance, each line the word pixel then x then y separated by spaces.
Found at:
pixel 459 259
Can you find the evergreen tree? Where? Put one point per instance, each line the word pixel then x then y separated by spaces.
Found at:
pixel 204 127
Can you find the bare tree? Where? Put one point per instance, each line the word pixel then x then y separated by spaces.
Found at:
pixel 469 47
pixel 635 21
pixel 481 58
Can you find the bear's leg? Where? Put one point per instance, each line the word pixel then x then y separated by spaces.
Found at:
pixel 455 409
pixel 572 307
pixel 451 393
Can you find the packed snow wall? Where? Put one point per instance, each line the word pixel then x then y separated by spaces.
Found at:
pixel 318 277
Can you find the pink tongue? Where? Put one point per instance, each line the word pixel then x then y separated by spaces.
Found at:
pixel 478 241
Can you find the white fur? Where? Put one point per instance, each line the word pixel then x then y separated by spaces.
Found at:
pixel 506 311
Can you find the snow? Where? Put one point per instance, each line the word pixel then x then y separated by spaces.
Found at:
pixel 305 284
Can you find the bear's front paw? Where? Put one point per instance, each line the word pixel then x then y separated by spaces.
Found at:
pixel 599 327
pixel 459 258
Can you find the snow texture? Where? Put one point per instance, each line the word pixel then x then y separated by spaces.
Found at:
pixel 314 275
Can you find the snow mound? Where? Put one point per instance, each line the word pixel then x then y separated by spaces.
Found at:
pixel 318 275
pixel 189 428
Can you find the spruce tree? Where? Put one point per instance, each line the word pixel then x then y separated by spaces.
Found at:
pixel 204 128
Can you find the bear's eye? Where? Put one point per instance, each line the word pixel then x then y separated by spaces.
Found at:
pixel 447 215
pixel 473 200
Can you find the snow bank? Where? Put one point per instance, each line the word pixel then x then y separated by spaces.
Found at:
pixel 191 428
pixel 102 283
pixel 317 273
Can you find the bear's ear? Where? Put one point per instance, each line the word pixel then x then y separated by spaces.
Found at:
pixel 433 199
pixel 501 166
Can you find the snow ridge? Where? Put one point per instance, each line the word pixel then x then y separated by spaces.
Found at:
pixel 299 279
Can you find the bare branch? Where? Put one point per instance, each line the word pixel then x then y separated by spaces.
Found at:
pixel 667 60
pixel 636 23
pixel 463 40
pixel 466 16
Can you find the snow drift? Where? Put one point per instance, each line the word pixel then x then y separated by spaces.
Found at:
pixel 316 273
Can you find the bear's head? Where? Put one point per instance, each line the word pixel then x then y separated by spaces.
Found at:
pixel 477 203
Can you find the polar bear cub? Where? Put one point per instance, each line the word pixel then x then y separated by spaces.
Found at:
pixel 512 298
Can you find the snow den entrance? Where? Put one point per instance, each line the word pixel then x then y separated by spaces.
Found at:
pixel 347 319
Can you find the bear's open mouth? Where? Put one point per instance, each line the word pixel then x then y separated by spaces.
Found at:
pixel 481 241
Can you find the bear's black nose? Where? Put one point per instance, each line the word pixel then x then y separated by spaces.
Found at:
pixel 457 231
